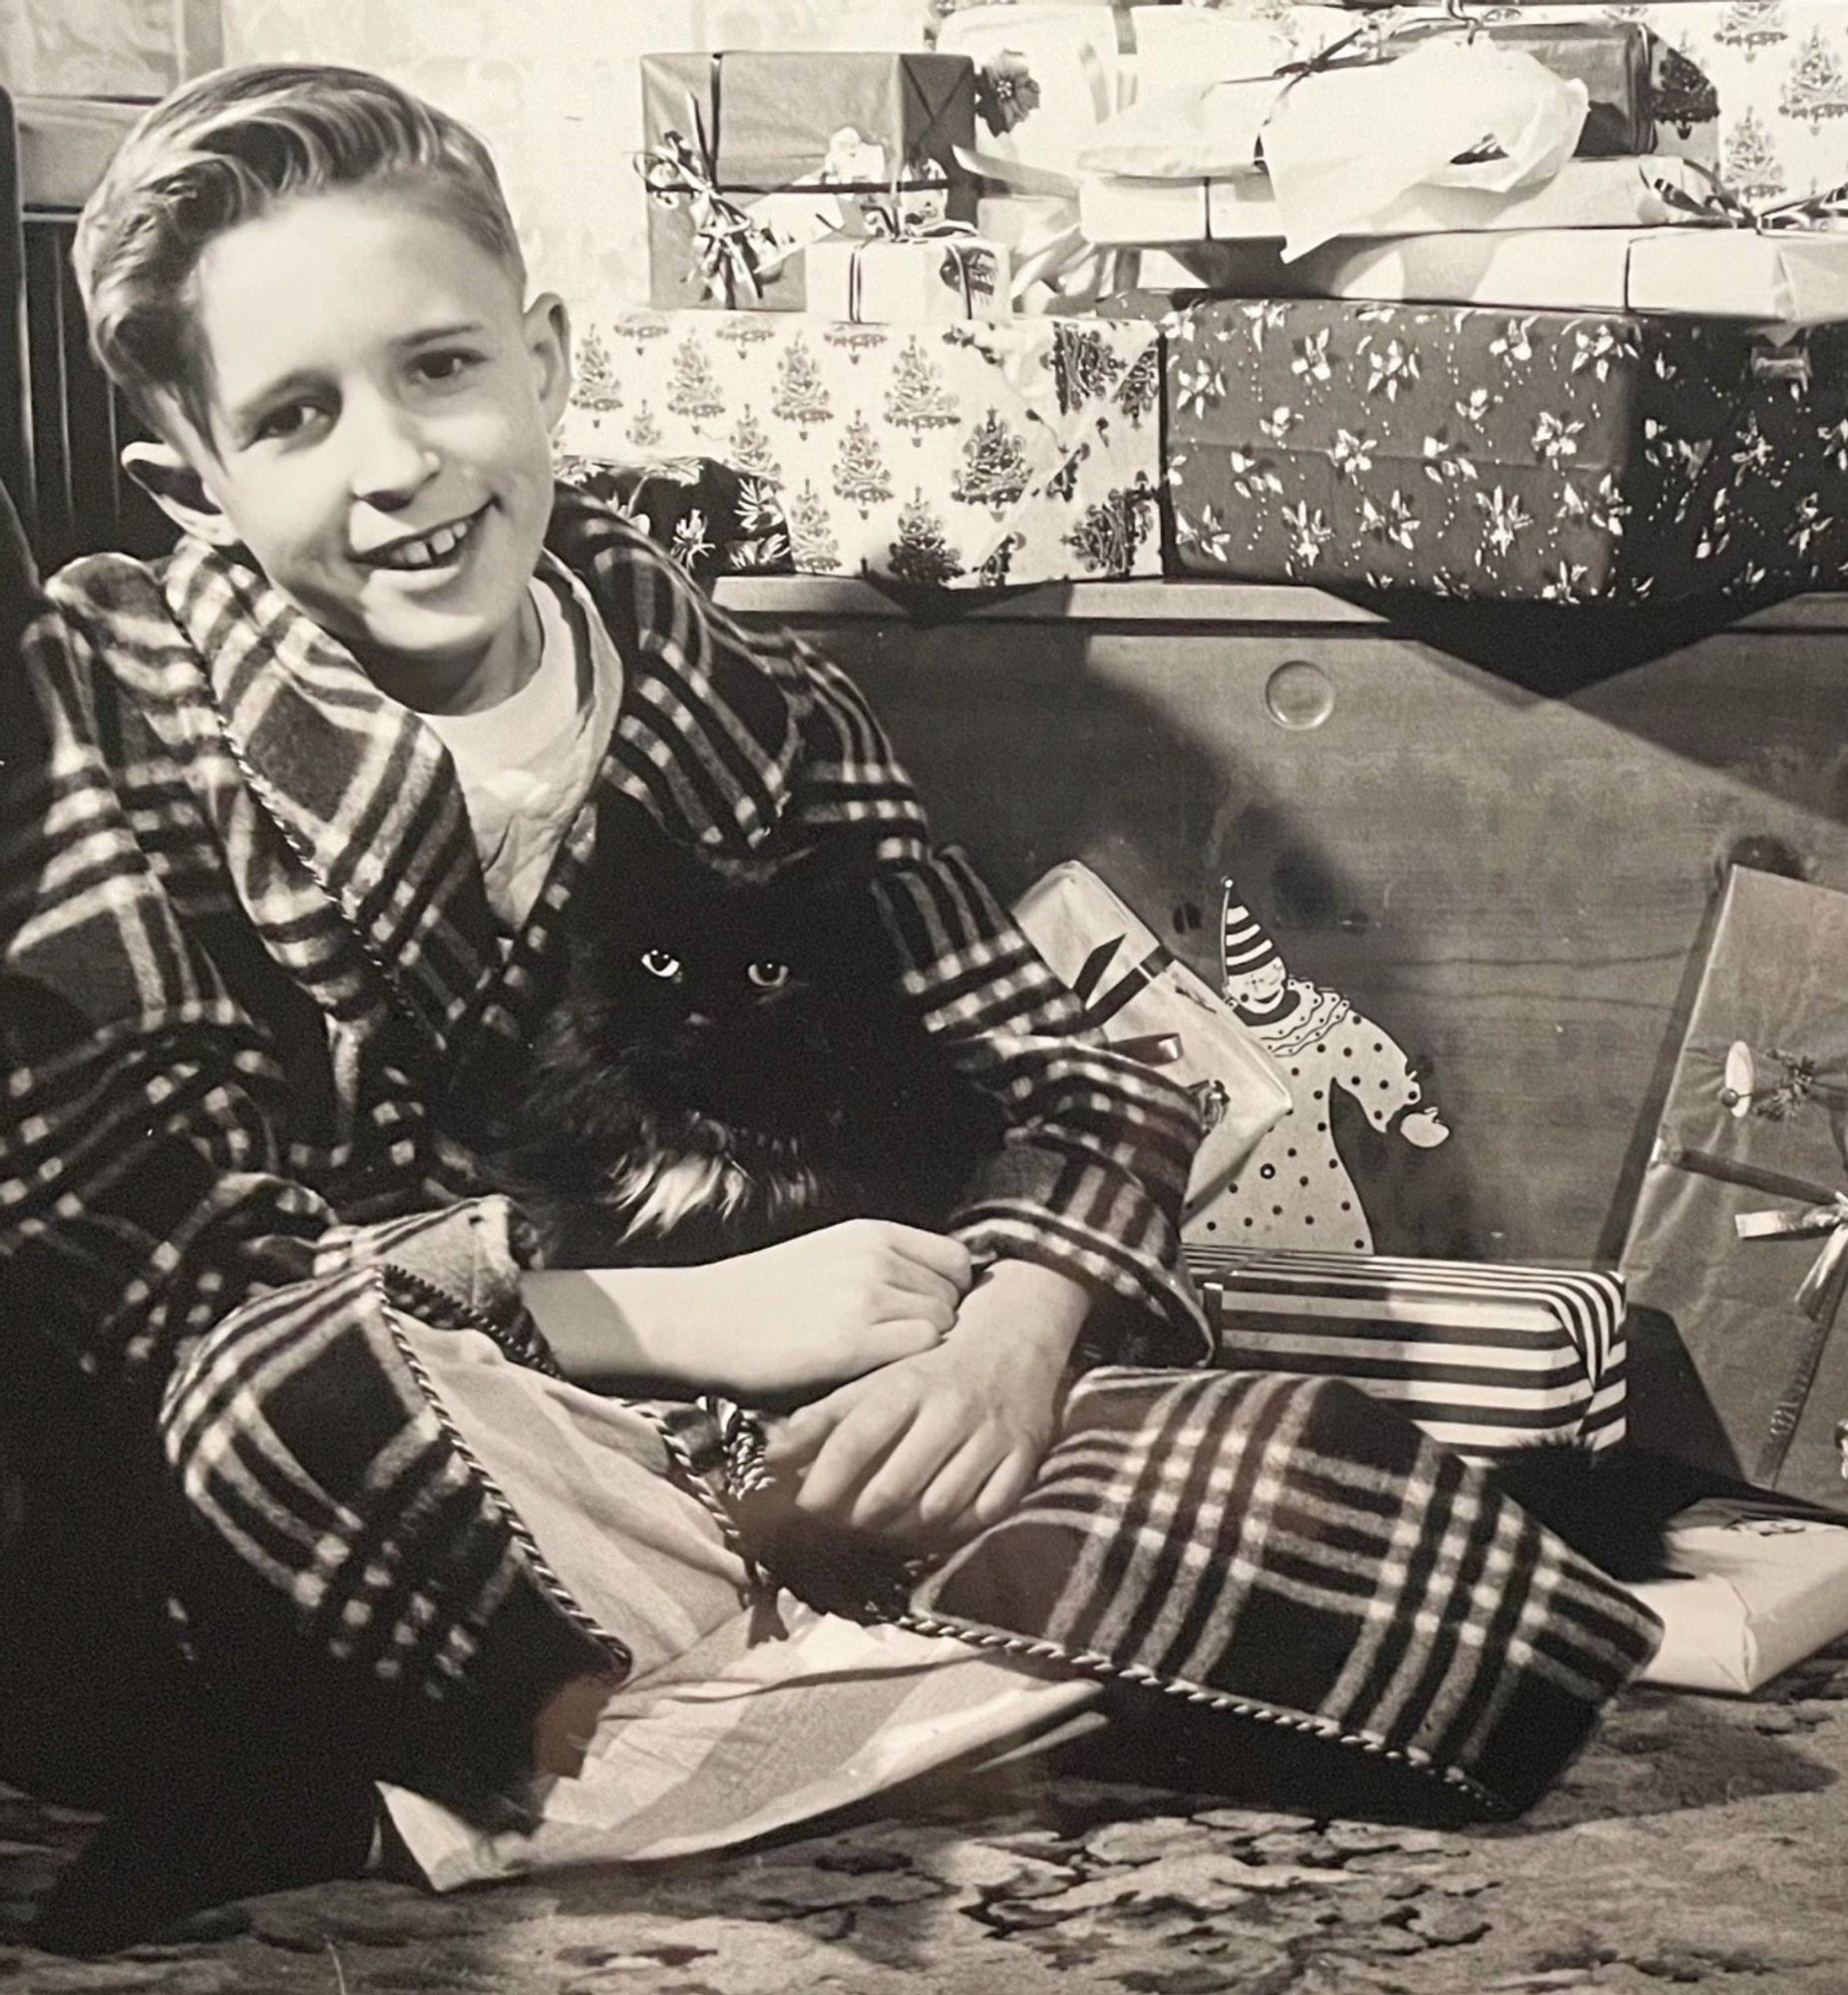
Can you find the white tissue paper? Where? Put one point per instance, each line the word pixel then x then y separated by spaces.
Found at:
pixel 1346 141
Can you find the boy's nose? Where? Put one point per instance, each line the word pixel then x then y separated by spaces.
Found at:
pixel 393 463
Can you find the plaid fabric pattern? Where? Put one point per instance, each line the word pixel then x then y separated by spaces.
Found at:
pixel 247 955
pixel 1289 1550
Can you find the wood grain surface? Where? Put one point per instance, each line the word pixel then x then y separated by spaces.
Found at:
pixel 1515 886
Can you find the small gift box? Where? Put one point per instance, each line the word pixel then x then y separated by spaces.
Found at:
pixel 1756 1596
pixel 1484 1358
pixel 952 455
pixel 942 274
pixel 753 156
pixel 1473 452
pixel 1153 1008
pixel 1739 1235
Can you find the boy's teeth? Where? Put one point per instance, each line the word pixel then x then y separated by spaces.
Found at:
pixel 429 552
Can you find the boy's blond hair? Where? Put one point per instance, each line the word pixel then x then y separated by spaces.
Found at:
pixel 227 149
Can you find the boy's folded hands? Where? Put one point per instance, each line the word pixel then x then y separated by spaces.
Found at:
pixel 934 1446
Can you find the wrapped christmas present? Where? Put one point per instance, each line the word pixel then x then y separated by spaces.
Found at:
pixel 753 156
pixel 1469 452
pixel 1050 75
pixel 957 456
pixel 1778 68
pixel 1739 1235
pixel 1046 77
pixel 1755 1596
pixel 1626 70
pixel 1791 277
pixel 1152 1006
pixel 1341 142
pixel 942 271
pixel 713 520
pixel 1484 1358
pixel 1584 193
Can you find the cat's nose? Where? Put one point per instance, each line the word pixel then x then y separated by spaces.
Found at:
pixel 697 1021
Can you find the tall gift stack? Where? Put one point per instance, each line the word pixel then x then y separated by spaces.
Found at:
pixel 830 320
pixel 1477 316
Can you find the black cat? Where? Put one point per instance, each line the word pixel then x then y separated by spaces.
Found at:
pixel 729 1064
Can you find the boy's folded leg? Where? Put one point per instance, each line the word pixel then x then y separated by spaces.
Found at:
pixel 220 1828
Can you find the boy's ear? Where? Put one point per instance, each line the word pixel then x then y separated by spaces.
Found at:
pixel 171 483
pixel 549 341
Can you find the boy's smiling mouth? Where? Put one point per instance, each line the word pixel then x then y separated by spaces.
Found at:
pixel 438 548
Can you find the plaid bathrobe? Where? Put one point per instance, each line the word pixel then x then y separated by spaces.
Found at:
pixel 249 971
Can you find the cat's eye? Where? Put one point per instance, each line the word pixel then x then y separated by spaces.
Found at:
pixel 657 962
pixel 768 976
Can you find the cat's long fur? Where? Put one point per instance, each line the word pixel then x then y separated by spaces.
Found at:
pixel 685 1115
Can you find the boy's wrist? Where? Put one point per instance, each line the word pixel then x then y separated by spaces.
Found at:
pixel 1027 1303
pixel 606 1326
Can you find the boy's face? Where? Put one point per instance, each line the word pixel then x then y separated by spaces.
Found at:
pixel 381 409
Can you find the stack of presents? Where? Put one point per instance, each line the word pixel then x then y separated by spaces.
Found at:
pixel 1543 302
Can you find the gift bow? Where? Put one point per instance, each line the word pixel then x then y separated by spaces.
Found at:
pixel 732 254
pixel 1820 1293
pixel 1101 1006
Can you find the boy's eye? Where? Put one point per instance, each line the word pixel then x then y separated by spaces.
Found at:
pixel 289 421
pixel 768 976
pixel 657 962
pixel 449 364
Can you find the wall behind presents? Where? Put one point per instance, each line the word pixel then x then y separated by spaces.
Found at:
pixel 553 86
pixel 104 48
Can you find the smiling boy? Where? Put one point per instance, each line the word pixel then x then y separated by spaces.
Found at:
pixel 284 881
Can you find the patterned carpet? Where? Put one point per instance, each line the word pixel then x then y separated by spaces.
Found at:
pixel 1698 1843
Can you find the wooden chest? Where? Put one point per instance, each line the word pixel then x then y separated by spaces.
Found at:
pixel 1500 839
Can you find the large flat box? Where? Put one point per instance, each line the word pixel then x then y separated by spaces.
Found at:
pixel 1240 208
pixel 1760 1358
pixel 1478 453
pixel 949 455
pixel 1787 277
pixel 1485 1357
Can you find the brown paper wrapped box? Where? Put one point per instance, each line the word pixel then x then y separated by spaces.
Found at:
pixel 760 152
pixel 1753 1381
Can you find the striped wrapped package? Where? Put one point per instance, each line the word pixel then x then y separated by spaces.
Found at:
pixel 1483 1356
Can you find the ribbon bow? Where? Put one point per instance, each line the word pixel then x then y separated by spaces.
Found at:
pixel 1722 207
pixel 1819 1296
pixel 732 254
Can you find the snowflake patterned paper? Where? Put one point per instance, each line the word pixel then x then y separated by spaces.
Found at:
pixel 1470 452
pixel 961 455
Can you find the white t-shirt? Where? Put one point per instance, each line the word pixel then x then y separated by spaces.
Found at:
pixel 526 764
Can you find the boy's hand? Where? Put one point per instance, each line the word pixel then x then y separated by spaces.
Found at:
pixel 793 1318
pixel 935 1448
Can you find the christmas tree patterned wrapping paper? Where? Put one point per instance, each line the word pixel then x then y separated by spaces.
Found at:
pixel 961 455
pixel 1468 452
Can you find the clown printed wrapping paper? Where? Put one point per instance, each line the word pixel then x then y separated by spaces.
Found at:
pixel 1464 452
pixel 955 456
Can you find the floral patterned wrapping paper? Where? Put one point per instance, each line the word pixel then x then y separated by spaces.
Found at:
pixel 711 519
pixel 960 456
pixel 1469 452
